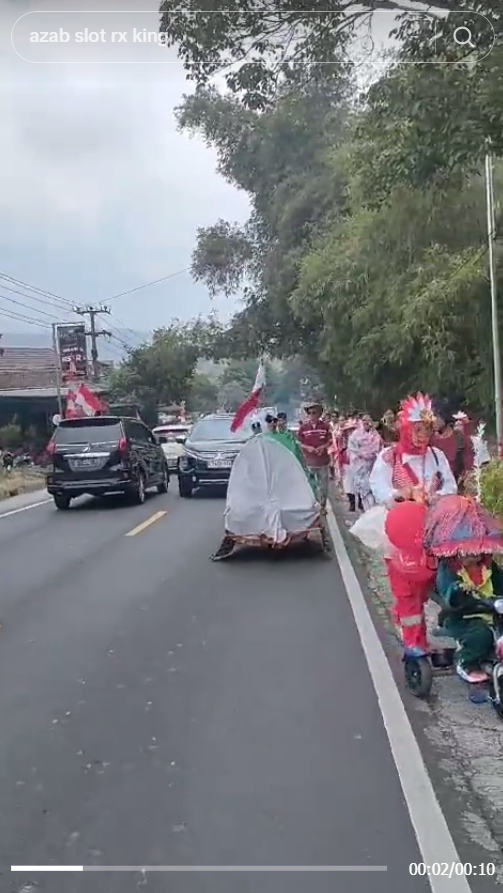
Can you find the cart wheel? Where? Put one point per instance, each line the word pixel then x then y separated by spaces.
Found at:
pixel 495 693
pixel 418 676
pixel 224 550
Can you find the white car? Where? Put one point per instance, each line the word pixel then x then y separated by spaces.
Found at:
pixel 172 438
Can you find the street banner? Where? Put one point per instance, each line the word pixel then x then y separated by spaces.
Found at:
pixel 72 350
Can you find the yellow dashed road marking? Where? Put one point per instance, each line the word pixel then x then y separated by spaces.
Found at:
pixel 143 526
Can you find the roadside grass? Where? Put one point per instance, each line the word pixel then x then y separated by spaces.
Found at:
pixel 20 481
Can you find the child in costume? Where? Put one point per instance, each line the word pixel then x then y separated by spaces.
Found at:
pixel 411 470
pixel 464 537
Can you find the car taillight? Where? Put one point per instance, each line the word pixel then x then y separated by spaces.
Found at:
pixel 122 446
pixel 51 448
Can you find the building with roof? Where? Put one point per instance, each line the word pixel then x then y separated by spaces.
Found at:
pixel 29 368
pixel 28 386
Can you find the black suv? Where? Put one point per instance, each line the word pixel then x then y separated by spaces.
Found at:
pixel 209 451
pixel 104 454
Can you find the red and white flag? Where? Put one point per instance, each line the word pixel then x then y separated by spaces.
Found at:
pixel 82 402
pixel 252 402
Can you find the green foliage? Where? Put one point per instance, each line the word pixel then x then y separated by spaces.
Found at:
pixel 203 395
pixel 492 487
pixel 11 436
pixel 163 371
pixel 221 257
pixel 259 48
pixel 281 158
pixel 365 253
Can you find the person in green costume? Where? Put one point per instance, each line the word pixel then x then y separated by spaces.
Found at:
pixel 465 538
pixel 289 440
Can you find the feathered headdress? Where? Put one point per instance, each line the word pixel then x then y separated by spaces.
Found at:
pixel 417 409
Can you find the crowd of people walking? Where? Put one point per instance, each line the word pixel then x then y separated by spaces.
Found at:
pixel 418 459
pixel 420 455
pixel 362 449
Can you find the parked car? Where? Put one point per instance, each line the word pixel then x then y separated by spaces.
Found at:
pixel 172 438
pixel 208 453
pixel 104 454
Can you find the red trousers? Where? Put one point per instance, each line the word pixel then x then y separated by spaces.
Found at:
pixel 410 597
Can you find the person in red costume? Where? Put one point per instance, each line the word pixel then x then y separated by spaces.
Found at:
pixel 411 470
pixel 452 436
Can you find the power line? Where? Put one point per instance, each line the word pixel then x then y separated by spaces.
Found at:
pixel 36 289
pixel 27 307
pixel 63 305
pixel 148 284
pixel 38 300
pixel 29 319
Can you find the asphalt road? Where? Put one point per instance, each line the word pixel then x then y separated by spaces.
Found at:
pixel 158 709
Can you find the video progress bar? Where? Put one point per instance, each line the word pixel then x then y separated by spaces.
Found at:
pixel 146 869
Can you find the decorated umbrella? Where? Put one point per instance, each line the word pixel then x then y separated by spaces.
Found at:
pixel 459 525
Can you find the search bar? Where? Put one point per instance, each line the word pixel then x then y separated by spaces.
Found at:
pixel 133 37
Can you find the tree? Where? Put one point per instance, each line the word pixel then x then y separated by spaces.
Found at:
pixel 261 47
pixel 163 371
pixel 402 288
pixel 268 156
pixel 203 395
pixel 366 251
pixel 425 125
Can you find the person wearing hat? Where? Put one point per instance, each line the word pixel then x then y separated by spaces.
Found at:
pixel 315 436
pixel 272 423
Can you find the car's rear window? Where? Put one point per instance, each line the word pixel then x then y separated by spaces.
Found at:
pixel 218 429
pixel 171 433
pixel 84 431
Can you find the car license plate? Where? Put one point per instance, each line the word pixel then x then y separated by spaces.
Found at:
pixel 219 463
pixel 84 463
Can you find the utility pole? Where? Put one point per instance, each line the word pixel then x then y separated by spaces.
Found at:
pixel 93 333
pixel 491 235
pixel 58 368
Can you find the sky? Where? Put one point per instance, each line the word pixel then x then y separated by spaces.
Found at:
pixel 99 193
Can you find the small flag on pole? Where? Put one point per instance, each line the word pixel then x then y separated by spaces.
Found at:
pixel 252 401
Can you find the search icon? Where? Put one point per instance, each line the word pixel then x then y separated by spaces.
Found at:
pixel 468 41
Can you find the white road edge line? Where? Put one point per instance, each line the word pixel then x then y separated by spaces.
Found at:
pixel 24 508
pixel 432 832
